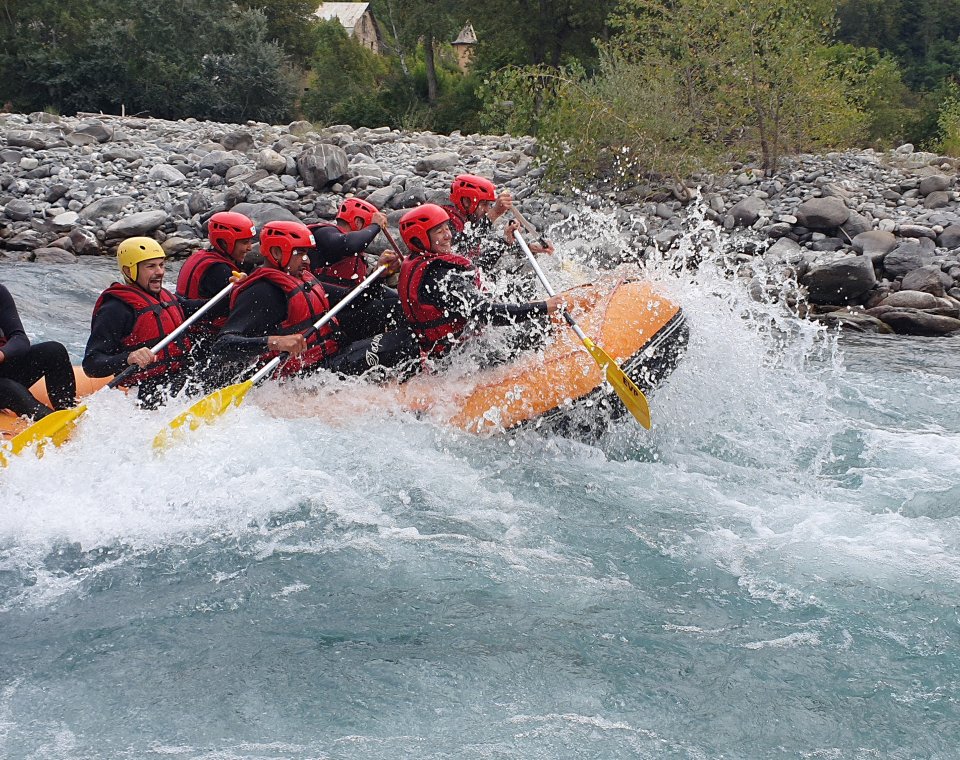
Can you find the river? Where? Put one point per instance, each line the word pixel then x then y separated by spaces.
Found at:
pixel 771 571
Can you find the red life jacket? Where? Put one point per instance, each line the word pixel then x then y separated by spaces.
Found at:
pixel 154 319
pixel 435 330
pixel 306 303
pixel 346 273
pixel 188 284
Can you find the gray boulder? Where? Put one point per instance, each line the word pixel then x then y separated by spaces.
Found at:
pixel 261 213
pixel 839 279
pixel 136 224
pixel 300 127
pixel 748 211
pixel 166 174
pixel 322 165
pixel 18 210
pixel 950 237
pixel 927 279
pixel 933 184
pixel 915 322
pixel 102 207
pixel 219 161
pixel 271 161
pixel 241 141
pixel 822 213
pixel 937 199
pixel 116 153
pixel 441 162
pixel 874 244
pixel 84 243
pixel 907 256
pixel 854 321
pixel 33 139
pixel 856 224
pixel 911 299
pixel 99 132
pixel 382 195
pixel 53 256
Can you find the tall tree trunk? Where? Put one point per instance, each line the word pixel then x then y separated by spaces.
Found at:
pixel 400 53
pixel 431 67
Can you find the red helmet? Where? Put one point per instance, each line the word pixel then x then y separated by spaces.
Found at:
pixel 355 213
pixel 286 237
pixel 417 223
pixel 227 228
pixel 468 190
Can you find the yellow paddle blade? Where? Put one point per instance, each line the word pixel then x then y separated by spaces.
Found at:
pixel 205 410
pixel 631 396
pixel 54 428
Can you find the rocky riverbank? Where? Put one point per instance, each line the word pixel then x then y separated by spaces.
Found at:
pixel 872 239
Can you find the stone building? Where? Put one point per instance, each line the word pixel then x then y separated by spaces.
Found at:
pixel 357 19
pixel 464 46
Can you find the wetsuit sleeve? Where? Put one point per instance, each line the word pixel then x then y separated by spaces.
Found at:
pixel 191 305
pixel 455 291
pixel 11 328
pixel 334 245
pixel 215 279
pixel 257 314
pixel 105 353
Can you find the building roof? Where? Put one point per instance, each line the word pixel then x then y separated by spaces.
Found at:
pixel 467 36
pixel 348 14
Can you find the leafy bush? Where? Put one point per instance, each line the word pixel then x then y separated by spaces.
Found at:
pixel 948 122
pixel 873 82
pixel 201 58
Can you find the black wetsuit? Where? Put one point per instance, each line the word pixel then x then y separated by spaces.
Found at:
pixel 24 364
pixel 106 355
pixel 258 313
pixel 454 290
pixel 213 281
pixel 501 263
pixel 377 309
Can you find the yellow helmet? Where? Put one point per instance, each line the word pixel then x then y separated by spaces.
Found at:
pixel 136 249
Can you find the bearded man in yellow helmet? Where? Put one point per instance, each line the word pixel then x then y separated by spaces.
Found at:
pixel 131 316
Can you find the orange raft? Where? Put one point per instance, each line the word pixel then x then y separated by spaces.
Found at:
pixel 561 387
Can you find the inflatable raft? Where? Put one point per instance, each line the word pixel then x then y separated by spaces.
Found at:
pixel 559 387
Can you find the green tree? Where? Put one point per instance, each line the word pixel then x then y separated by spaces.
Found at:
pixel 948 122
pixel 751 72
pixel 551 32
pixel 290 24
pixel 873 82
pixel 248 79
pixel 425 23
pixel 346 80
pixel 202 58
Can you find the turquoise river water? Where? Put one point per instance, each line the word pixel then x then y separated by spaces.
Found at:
pixel 772 571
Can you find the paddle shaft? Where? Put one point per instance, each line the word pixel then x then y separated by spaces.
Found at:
pixel 546 285
pixel 624 387
pixel 167 340
pixel 342 304
pixel 529 227
pixel 393 243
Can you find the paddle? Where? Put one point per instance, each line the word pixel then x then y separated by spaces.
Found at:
pixel 626 389
pixel 57 426
pixel 393 243
pixel 529 227
pixel 211 406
